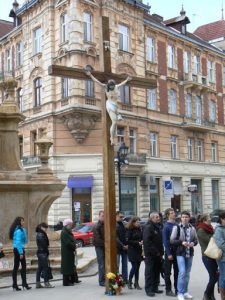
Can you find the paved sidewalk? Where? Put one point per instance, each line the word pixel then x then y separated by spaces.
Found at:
pixel 89 289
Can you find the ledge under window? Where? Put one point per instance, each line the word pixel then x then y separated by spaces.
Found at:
pixel 36 109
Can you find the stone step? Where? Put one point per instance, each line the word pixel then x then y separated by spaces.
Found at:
pixel 84 262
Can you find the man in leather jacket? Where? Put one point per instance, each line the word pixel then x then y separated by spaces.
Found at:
pixel 98 241
pixel 121 244
pixel 153 251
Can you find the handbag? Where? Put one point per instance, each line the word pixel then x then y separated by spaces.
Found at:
pixel 49 272
pixel 212 250
pixel 2 254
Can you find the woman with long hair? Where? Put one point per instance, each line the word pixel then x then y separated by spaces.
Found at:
pixel 17 234
pixel 42 254
pixel 220 241
pixel 134 242
pixel 205 232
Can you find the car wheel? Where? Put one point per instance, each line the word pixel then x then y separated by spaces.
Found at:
pixel 79 243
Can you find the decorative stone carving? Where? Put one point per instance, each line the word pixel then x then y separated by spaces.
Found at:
pixel 44 144
pixel 124 68
pixel 80 124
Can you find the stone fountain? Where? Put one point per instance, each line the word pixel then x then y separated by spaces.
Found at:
pixel 22 193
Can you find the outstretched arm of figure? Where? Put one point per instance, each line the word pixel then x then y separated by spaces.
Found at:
pixel 95 79
pixel 125 81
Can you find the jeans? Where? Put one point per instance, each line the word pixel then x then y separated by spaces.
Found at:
pixel 42 267
pixel 184 267
pixel 123 256
pixel 100 252
pixel 134 272
pixel 212 268
pixel 152 272
pixel 168 267
pixel 17 262
pixel 222 274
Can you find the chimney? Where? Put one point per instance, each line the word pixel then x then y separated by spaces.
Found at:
pixel 12 14
pixel 157 17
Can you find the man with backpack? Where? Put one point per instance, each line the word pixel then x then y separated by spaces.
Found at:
pixel 184 237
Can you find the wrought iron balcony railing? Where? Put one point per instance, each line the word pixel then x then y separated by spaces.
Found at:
pixel 30 161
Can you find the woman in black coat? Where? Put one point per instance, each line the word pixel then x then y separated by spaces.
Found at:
pixel 134 242
pixel 42 254
pixel 68 252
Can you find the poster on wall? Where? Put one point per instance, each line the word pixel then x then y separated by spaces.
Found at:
pixel 76 206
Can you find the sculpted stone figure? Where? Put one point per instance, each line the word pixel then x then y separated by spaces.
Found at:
pixel 112 94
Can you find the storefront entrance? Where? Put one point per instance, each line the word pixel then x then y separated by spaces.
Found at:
pixel 129 196
pixel 196 198
pixel 175 203
pixel 81 198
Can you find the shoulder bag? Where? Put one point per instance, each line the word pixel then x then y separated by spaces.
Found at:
pixel 212 250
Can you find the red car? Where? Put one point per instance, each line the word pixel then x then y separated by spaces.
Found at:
pixel 83 234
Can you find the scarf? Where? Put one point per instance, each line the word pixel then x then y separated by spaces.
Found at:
pixel 206 227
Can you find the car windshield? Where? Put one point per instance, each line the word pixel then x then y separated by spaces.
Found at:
pixel 85 228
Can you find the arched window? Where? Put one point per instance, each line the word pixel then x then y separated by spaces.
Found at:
pixel 65 88
pixel 188 111
pixel 64 27
pixel 198 110
pixel 172 101
pixel 37 91
pixel 88 27
pixel 89 85
pixel 20 99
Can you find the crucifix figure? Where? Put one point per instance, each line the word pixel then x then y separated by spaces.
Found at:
pixel 112 94
pixel 108 149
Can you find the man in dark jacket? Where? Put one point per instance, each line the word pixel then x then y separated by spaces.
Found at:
pixel 121 244
pixel 153 251
pixel 170 252
pixel 98 235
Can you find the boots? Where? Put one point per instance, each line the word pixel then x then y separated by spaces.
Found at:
pixel 222 294
pixel 38 285
pixel 137 286
pixel 129 285
pixel 212 297
pixel 207 297
pixel 48 285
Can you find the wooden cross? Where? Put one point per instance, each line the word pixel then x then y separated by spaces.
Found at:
pixel 108 149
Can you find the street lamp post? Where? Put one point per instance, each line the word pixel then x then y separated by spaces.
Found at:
pixel 121 159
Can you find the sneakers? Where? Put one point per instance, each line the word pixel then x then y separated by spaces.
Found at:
pixel 48 285
pixel 170 294
pixel 188 296
pixel 180 297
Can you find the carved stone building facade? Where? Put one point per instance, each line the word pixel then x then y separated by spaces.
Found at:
pixel 175 132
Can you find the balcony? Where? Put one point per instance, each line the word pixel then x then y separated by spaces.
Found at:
pixel 197 124
pixel 195 82
pixel 6 75
pixel 137 158
pixel 31 161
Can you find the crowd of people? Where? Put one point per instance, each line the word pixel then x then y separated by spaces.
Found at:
pixel 164 246
pixel 18 235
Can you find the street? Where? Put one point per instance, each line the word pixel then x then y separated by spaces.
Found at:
pixel 89 288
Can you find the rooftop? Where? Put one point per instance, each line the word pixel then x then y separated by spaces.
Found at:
pixel 211 31
pixel 5 27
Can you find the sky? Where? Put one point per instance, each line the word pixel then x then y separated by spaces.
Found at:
pixel 199 12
